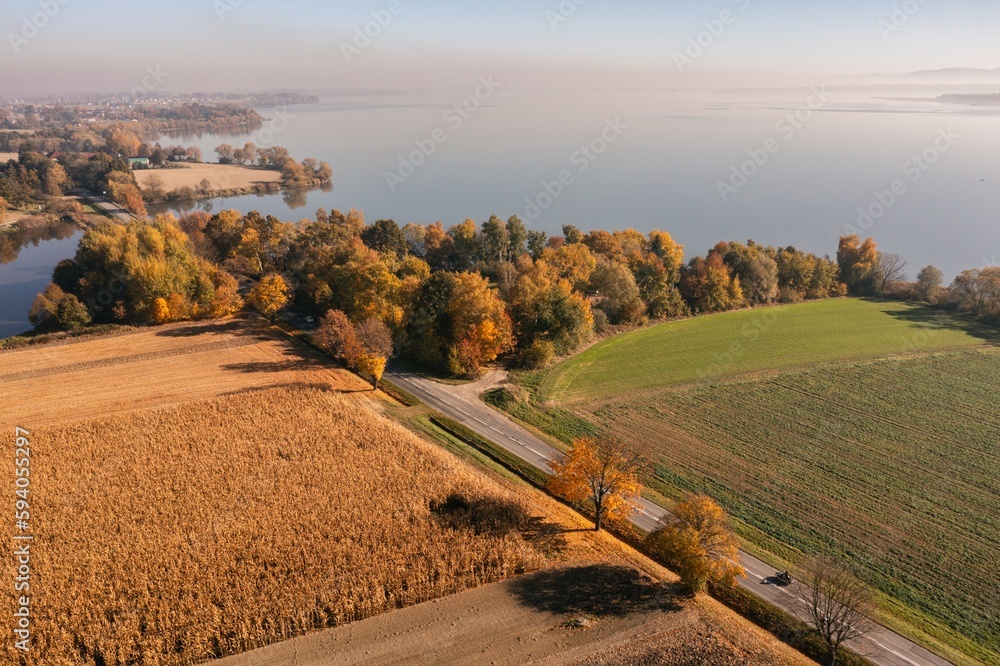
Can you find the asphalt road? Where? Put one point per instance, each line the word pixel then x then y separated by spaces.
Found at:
pixel 112 209
pixel 881 646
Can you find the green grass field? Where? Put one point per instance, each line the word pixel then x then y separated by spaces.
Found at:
pixel 863 428
pixel 717 346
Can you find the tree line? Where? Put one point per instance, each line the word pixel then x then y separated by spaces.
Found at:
pixel 457 299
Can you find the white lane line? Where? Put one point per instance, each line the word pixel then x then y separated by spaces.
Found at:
pixel 891 651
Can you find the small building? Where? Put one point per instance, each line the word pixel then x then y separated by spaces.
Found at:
pixel 138 162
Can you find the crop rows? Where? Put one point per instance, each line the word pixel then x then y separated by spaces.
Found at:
pixel 175 535
pixel 892 464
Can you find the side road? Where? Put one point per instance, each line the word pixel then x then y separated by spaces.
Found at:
pixel 882 646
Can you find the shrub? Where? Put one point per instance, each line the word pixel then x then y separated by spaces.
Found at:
pixel 538 355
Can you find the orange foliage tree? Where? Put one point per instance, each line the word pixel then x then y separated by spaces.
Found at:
pixel 365 347
pixel 697 540
pixel 603 472
pixel 481 325
pixel 270 295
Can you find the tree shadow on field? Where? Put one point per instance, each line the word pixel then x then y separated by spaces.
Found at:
pixel 302 363
pixel 601 590
pixel 237 326
pixel 929 320
pixel 303 386
pixel 496 516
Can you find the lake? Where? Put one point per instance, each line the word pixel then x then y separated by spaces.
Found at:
pixel 791 167
pixel 27 257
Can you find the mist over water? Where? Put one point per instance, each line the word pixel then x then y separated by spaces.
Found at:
pixel 792 175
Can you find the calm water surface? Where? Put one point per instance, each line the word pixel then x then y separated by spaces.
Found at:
pixel 704 166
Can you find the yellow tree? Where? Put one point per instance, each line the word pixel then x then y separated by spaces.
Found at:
pixel 697 540
pixel 161 311
pixel 603 472
pixel 270 295
pixel 481 327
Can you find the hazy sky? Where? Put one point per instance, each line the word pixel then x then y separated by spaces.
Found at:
pixel 233 45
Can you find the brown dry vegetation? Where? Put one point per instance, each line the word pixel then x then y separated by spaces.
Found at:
pixel 202 489
pixel 182 533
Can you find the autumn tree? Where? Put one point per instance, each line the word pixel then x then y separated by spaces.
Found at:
pixel 481 328
pixel 45 306
pixel 840 605
pixel 3 210
pixel 154 188
pixel 858 263
pixel 978 292
pixel 161 311
pixel 365 347
pixel 602 472
pixel 337 335
pixel 270 295
pixel 571 262
pixel 709 286
pixel 617 293
pixel 546 309
pixel 928 284
pixel 226 153
pixel 377 348
pixel 697 539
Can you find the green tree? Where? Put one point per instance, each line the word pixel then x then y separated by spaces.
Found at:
pixel 495 240
pixel 385 236
pixel 572 234
pixel 517 235
pixel 72 314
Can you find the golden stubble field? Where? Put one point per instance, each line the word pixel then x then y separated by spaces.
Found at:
pixel 221 176
pixel 156 367
pixel 201 490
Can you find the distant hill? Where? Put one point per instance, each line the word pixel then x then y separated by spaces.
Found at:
pixel 949 75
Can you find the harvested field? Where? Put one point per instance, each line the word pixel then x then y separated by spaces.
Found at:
pixel 498 625
pixel 221 176
pixel 157 367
